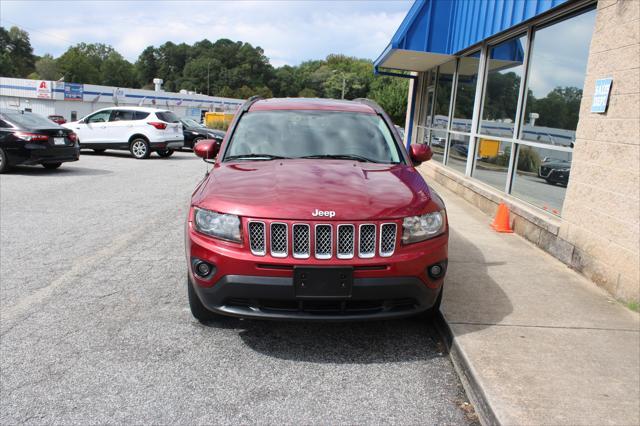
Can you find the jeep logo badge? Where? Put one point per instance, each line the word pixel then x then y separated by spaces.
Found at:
pixel 325 213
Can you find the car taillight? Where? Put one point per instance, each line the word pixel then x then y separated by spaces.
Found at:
pixel 158 125
pixel 72 137
pixel 31 137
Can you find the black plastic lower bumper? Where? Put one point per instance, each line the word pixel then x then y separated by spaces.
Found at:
pixel 37 154
pixel 274 298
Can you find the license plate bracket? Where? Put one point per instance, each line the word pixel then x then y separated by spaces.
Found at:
pixel 323 282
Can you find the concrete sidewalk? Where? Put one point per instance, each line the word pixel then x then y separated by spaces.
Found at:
pixel 534 341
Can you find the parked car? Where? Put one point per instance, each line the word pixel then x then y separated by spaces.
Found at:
pixel 461 150
pixel 555 171
pixel 28 138
pixel 137 129
pixel 58 119
pixel 314 210
pixel 194 132
pixel 438 141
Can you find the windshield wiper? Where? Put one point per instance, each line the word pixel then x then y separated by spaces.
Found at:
pixel 254 157
pixel 342 157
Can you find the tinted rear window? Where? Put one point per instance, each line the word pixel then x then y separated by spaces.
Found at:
pixel 30 120
pixel 168 116
pixel 140 115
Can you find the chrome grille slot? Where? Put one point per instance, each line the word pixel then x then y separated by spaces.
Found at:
pixel 387 239
pixel 279 239
pixel 301 242
pixel 346 235
pixel 256 238
pixel 367 241
pixel 323 241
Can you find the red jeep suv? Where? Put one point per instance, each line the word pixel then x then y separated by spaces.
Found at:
pixel 314 210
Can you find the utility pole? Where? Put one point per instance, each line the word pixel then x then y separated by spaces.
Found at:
pixel 208 74
pixel 344 85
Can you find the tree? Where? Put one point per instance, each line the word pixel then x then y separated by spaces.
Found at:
pixel 391 93
pixel 47 68
pixel 82 63
pixel 16 53
pixel 147 66
pixel 117 71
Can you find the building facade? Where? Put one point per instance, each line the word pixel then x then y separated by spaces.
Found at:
pixel 536 104
pixel 74 101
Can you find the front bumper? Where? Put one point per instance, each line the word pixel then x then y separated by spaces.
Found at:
pixel 263 297
pixel 244 285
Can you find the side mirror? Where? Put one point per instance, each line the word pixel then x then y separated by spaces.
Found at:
pixel 420 153
pixel 207 149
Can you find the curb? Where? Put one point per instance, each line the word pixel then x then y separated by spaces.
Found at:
pixel 467 373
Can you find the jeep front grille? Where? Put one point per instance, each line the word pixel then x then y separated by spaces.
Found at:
pixel 279 239
pixel 301 241
pixel 256 238
pixel 323 241
pixel 387 239
pixel 365 239
pixel 367 247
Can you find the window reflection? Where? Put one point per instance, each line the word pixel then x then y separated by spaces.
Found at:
pixel 541 177
pixel 443 95
pixel 504 74
pixel 458 152
pixel 558 65
pixel 437 143
pixel 493 162
pixel 466 91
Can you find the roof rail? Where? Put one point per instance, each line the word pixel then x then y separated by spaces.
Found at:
pixel 373 104
pixel 252 100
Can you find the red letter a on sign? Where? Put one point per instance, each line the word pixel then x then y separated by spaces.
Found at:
pixel 43 85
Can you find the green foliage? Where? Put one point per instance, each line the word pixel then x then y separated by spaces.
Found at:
pixel 16 53
pixel 224 68
pixel 559 109
pixel 528 159
pixel 47 68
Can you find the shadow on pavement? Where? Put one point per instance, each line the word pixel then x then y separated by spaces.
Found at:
pixel 471 295
pixel 179 155
pixel 368 342
pixel 65 170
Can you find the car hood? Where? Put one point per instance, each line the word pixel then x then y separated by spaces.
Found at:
pixel 294 189
pixel 203 131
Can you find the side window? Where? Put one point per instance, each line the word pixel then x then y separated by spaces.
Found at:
pixel 3 124
pixel 99 117
pixel 122 115
pixel 140 115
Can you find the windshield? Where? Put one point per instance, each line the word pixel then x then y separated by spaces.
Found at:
pixel 29 120
pixel 190 123
pixel 300 134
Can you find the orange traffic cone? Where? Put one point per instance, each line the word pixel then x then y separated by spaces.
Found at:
pixel 501 222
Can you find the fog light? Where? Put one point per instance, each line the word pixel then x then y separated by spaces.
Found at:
pixel 202 269
pixel 435 271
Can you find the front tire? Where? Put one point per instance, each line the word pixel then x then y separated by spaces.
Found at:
pixel 51 166
pixel 165 153
pixel 140 148
pixel 4 162
pixel 198 310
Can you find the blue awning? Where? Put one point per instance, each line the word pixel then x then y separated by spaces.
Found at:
pixel 434 31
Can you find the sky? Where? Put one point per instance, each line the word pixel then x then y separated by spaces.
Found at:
pixel 290 32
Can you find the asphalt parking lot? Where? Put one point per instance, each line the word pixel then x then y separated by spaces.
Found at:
pixel 95 326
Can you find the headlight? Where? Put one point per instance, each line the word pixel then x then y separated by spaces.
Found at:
pixel 219 225
pixel 420 228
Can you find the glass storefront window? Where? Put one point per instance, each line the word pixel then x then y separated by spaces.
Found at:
pixel 443 95
pixel 556 77
pixel 458 152
pixel 492 162
pixel 541 177
pixel 437 143
pixel 465 92
pixel 504 74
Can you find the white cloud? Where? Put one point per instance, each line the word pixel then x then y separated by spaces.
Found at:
pixel 289 31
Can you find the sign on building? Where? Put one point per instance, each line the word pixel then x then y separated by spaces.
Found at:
pixel 73 91
pixel 601 95
pixel 43 90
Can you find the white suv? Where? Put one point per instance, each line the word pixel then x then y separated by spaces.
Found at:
pixel 137 129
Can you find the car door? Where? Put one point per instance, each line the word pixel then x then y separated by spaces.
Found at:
pixel 120 127
pixel 92 129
